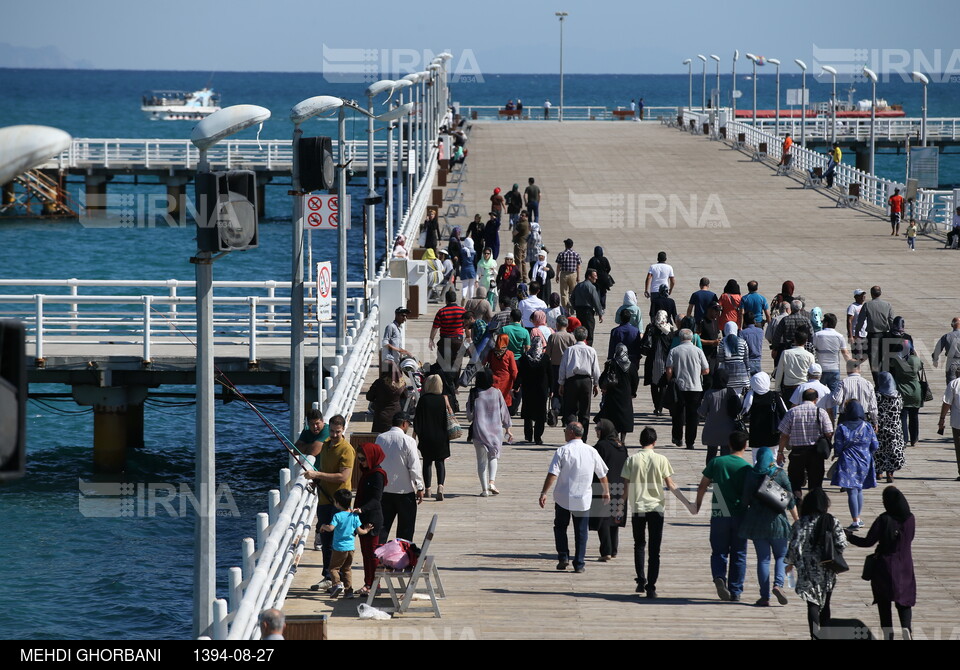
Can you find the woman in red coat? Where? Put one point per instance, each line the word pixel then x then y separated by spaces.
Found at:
pixel 503 365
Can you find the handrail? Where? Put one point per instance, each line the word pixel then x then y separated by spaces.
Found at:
pixel 570 112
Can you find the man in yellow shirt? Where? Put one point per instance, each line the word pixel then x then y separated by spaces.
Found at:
pixel 334 470
pixel 644 476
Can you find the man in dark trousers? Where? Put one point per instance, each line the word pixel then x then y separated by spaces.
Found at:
pixel 586 303
pixel 876 317
pixel 579 375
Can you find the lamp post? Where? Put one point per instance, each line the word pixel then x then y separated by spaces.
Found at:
pixel 923 79
pixel 777 63
pixel 754 59
pixel 373 91
pixel 872 76
pixel 716 101
pixel 803 102
pixel 401 155
pixel 207 133
pixel 833 103
pixel 733 91
pixel 689 63
pixel 411 145
pixel 561 16
pixel 703 98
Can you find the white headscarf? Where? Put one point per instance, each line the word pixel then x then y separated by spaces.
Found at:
pixel 759 385
pixel 663 323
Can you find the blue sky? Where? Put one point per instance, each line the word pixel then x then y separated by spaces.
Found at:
pixel 494 36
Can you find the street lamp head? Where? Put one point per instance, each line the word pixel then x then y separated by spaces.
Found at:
pixel 715 57
pixel 687 61
pixel 310 107
pixel 800 64
pixel 396 113
pixel 702 57
pixel 433 67
pixel 774 61
pixel 870 74
pixel 226 122
pixel 562 15
pixel 403 83
pixel 376 88
pixel 446 55
pixel 830 70
pixel 24 147
pixel 736 55
pixel 752 57
pixel 413 77
pixel 920 77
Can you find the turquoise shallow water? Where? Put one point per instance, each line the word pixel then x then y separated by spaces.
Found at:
pixel 68 575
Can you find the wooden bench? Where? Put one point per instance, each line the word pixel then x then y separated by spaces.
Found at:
pixel 741 141
pixel 851 198
pixel 510 113
pixel 785 166
pixel 761 152
pixel 623 114
pixel 814 179
pixel 408 580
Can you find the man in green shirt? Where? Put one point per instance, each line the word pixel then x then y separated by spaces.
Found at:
pixel 519 336
pixel 727 474
pixel 334 470
pixel 644 476
pixel 311 440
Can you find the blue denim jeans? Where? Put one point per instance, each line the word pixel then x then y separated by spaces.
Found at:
pixel 581 530
pixel 725 541
pixel 831 380
pixel 764 548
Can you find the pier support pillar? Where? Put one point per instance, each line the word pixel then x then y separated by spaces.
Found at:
pixel 8 194
pixel 176 194
pixel 117 413
pixel 862 159
pixel 95 193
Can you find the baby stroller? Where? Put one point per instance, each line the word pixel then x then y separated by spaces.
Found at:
pixel 410 369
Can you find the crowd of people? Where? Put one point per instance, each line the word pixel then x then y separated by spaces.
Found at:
pixel 529 353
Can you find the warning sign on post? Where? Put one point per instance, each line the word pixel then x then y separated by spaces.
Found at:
pixel 321 212
pixel 324 291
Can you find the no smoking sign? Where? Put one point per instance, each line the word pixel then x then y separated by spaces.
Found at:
pixel 324 291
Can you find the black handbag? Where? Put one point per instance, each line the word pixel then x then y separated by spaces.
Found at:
pixel 925 387
pixel 774 496
pixel 869 565
pixel 831 556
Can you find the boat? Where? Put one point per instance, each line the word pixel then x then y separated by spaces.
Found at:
pixel 845 110
pixel 180 105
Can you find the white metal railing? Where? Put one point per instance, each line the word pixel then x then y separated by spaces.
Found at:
pixel 270 564
pixel 182 155
pixel 157 313
pixel 931 205
pixel 570 113
pixel 893 129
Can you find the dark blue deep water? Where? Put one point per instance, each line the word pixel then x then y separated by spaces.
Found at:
pixel 66 574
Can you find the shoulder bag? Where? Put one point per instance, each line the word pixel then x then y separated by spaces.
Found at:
pixel 772 495
pixel 925 387
pixel 454 431
pixel 831 556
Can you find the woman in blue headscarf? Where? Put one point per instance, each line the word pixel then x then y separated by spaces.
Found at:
pixel 854 444
pixel 767 527
pixel 889 457
pixel 733 355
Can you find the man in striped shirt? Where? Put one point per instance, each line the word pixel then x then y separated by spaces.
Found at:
pixel 568 265
pixel 449 323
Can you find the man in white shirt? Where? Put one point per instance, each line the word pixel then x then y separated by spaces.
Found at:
pixel 793 366
pixel 404 489
pixel 579 372
pixel 572 468
pixel 951 402
pixel 814 381
pixel 391 346
pixel 859 388
pixel 531 304
pixel 858 339
pixel 659 273
pixel 831 347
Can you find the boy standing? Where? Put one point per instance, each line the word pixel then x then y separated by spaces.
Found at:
pixel 912 234
pixel 644 476
pixel 344 526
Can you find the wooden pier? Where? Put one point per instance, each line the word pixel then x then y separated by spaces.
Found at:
pixel 637 189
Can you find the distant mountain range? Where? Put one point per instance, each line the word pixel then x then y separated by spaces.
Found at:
pixel 48 57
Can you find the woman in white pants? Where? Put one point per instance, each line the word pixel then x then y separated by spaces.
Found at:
pixel 488 411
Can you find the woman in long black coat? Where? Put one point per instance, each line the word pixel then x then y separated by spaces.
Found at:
pixel 386 395
pixel 603 517
pixel 430 431
pixel 601 264
pixel 534 378
pixel 617 405
pixel 432 226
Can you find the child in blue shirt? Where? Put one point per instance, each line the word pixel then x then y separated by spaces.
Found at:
pixel 344 526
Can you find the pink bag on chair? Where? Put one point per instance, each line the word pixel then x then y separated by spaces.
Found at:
pixel 397 554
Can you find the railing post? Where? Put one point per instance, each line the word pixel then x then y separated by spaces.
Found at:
pixel 285 480
pixel 106 154
pixel 229 153
pixel 273 505
pixel 147 300
pixel 74 290
pixel 146 154
pixel 247 552
pixel 39 351
pixel 234 588
pixel 173 283
pixel 271 308
pixel 263 525
pixel 253 328
pixel 219 619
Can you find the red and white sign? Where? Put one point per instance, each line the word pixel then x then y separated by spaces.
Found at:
pixel 321 212
pixel 324 291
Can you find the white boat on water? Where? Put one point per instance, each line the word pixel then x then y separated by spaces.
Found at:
pixel 180 105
